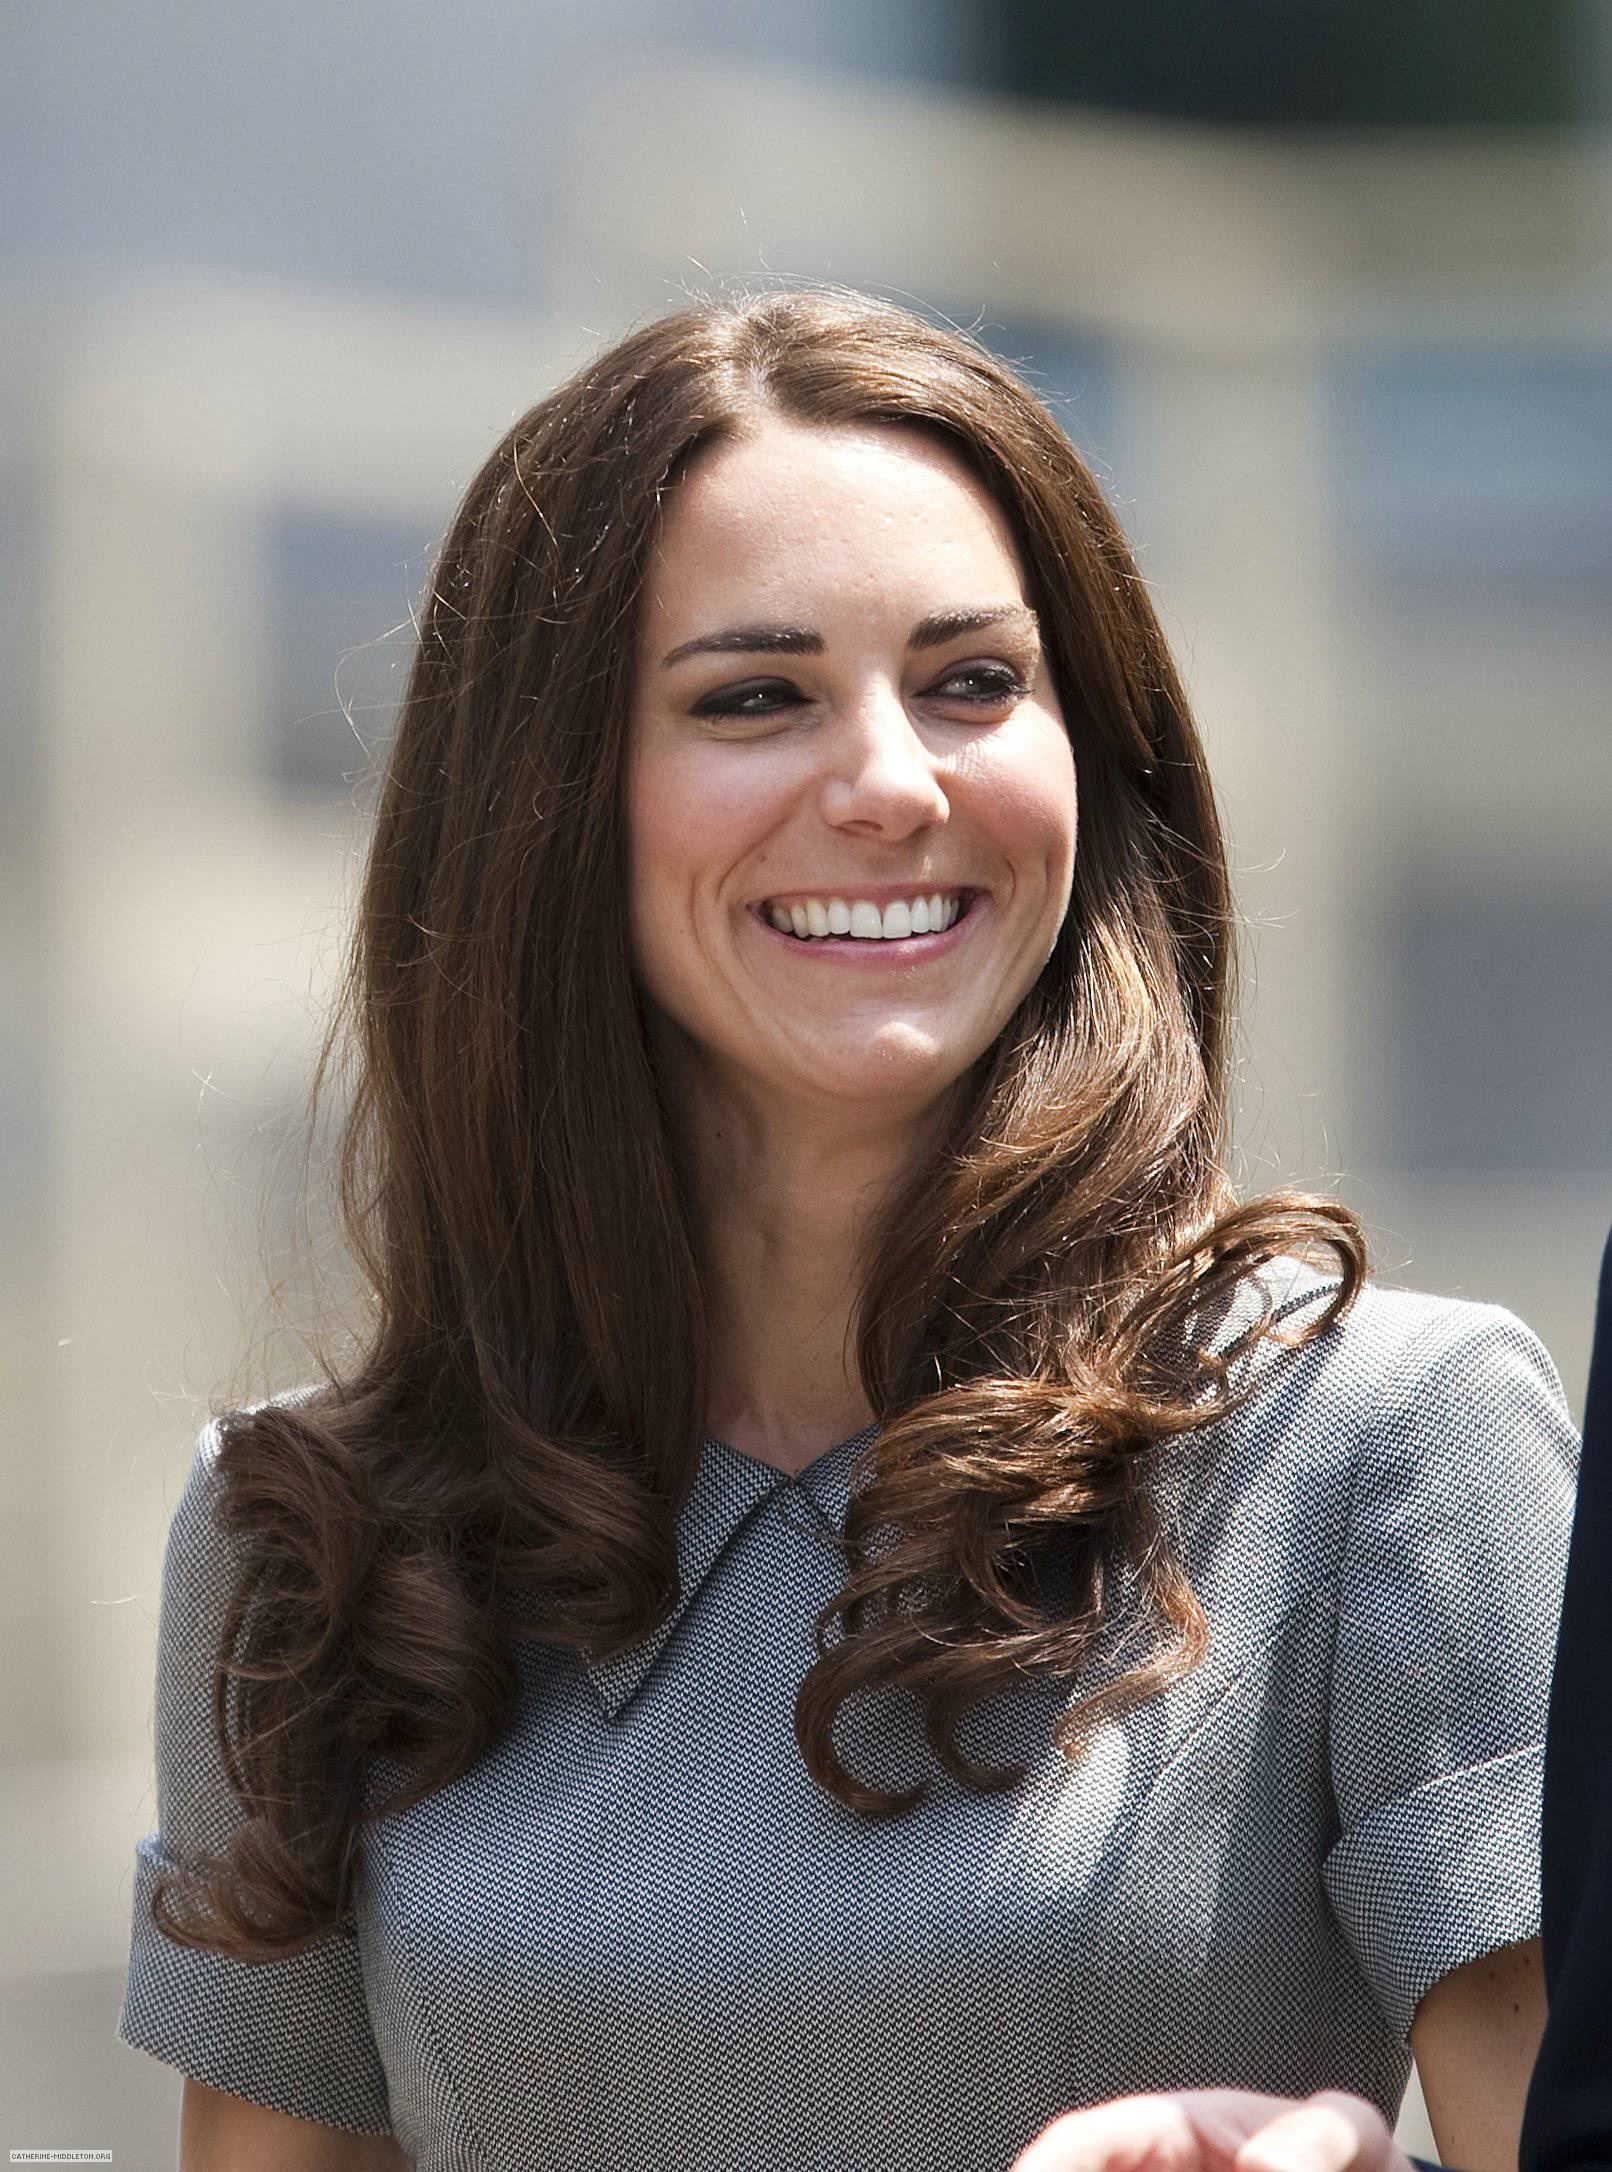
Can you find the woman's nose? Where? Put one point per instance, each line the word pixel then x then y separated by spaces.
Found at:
pixel 880 769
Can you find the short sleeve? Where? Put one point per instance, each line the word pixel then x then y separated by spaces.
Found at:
pixel 294 2035
pixel 1449 1594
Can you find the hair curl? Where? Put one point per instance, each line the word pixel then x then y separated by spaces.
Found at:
pixel 506 1453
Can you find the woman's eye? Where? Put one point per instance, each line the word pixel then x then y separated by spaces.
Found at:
pixel 992 684
pixel 758 700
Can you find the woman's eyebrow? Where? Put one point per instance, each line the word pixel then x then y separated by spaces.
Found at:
pixel 929 633
pixel 788 640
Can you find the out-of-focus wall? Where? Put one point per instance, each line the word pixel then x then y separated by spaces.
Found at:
pixel 1352 397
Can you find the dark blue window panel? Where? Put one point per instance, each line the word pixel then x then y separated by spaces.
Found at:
pixel 341 594
pixel 1500 1011
pixel 1072 371
pixel 1475 471
pixel 1329 63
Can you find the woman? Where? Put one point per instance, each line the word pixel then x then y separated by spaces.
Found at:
pixel 852 1597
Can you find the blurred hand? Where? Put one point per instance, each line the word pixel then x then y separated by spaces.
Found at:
pixel 1218 2130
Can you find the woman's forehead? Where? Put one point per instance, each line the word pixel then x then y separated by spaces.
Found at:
pixel 793 510
pixel 776 460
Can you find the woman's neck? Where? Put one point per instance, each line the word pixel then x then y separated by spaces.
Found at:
pixel 785 1190
pixel 783 1217
pixel 781 1256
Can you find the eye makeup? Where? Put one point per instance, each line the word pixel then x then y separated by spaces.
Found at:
pixel 997 682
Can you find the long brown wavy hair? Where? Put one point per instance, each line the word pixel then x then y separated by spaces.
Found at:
pixel 506 1451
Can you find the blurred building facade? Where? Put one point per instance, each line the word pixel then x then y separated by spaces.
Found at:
pixel 1350 388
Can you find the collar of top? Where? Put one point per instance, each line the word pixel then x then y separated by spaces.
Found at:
pixel 728 1490
pixel 731 1487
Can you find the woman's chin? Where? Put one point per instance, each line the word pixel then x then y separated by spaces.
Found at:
pixel 897 1068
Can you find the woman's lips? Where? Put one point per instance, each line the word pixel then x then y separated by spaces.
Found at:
pixel 859 951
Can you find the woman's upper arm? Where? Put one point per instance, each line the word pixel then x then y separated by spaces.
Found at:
pixel 223 2133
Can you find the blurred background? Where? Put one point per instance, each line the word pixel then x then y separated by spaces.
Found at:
pixel 1322 292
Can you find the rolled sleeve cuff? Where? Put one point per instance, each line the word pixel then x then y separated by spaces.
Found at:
pixel 292 2035
pixel 1435 1878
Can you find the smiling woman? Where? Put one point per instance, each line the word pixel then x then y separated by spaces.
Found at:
pixel 853 1595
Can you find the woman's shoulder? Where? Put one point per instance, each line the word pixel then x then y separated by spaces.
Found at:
pixel 1414 1430
pixel 1383 1346
pixel 1406 1390
pixel 196 1534
pixel 210 1436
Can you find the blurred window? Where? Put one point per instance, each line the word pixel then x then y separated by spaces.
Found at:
pixel 1502 1009
pixel 1071 369
pixel 1476 472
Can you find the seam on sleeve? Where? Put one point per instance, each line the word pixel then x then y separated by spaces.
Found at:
pixel 240 2026
pixel 1456 1773
pixel 1494 1903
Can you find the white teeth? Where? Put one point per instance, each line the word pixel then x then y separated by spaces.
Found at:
pixel 862 920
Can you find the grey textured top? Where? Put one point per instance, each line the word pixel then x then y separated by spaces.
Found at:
pixel 637 1934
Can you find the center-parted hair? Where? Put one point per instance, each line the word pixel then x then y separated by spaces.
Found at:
pixel 506 1452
